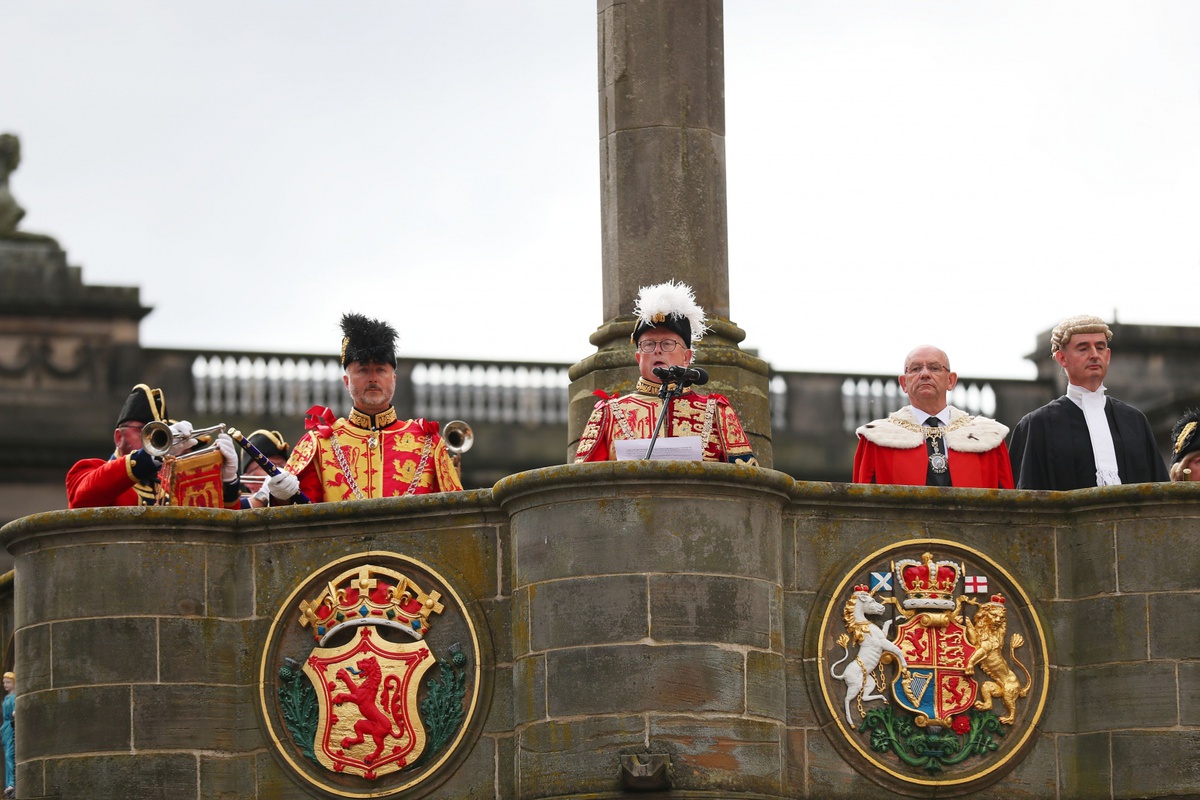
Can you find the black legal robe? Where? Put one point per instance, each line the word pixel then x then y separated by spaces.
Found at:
pixel 1051 447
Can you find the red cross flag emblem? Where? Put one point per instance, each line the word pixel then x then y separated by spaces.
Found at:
pixel 975 584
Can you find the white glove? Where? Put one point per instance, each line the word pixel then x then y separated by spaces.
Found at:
pixel 181 432
pixel 229 468
pixel 283 486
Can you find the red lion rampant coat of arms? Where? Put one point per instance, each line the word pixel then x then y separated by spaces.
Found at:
pixel 366 687
pixel 371 677
pixel 367 700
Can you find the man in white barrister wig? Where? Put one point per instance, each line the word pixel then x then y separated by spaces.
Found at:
pixel 1084 438
pixel 697 426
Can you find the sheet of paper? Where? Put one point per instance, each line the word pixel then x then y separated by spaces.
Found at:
pixel 669 448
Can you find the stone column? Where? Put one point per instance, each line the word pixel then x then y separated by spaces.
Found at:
pixel 662 184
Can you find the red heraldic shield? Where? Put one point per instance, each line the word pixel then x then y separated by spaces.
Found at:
pixel 938 684
pixel 367 695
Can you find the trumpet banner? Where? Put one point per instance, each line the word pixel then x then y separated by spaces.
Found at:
pixel 194 480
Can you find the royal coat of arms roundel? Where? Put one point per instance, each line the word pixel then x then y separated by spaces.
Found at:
pixel 933 668
pixel 370 680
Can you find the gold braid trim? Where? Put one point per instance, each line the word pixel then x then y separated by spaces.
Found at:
pixel 353 484
pixel 361 420
pixel 1183 435
pixel 345 467
pixel 650 387
pixel 412 487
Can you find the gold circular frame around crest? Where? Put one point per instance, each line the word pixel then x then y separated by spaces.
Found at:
pixel 886 768
pixel 456 625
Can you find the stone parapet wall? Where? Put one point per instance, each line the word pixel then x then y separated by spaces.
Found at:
pixel 140 633
pixel 651 618
pixel 1112 573
pixel 629 611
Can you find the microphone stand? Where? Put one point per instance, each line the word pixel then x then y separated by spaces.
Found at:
pixel 668 391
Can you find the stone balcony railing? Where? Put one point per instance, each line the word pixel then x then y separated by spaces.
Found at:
pixel 483 391
pixel 509 392
pixel 865 399
pixel 487 391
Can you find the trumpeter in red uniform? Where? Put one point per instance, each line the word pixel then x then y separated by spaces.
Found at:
pixel 1185 447
pixel 129 477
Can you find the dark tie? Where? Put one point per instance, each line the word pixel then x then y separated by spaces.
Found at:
pixel 938 472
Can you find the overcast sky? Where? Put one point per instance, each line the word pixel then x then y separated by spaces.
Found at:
pixel 899 172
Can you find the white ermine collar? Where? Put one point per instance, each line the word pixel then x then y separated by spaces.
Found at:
pixel 901 430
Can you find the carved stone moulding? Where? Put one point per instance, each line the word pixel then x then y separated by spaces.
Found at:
pixel 63 357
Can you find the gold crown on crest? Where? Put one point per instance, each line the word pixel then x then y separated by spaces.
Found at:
pixel 370 595
pixel 928 583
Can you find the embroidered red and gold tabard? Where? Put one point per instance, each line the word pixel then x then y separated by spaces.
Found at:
pixel 635 415
pixel 380 456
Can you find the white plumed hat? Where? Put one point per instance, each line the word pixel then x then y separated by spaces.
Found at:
pixel 671 305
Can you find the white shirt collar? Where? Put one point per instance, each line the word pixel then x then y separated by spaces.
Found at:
pixel 920 416
pixel 1078 395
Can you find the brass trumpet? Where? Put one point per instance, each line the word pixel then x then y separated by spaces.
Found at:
pixel 158 439
pixel 458 437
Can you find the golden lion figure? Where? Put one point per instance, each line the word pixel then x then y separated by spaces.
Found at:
pixel 986 632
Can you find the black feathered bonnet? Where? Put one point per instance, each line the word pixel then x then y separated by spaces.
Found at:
pixel 366 340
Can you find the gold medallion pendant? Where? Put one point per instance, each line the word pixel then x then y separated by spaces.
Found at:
pixel 371 678
pixel 933 668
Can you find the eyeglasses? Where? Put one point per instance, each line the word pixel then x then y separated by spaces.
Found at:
pixel 666 345
pixel 934 369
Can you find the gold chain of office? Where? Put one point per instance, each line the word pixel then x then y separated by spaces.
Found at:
pixel 932 432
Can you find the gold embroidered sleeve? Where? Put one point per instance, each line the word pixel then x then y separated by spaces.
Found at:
pixel 447 476
pixel 593 444
pixel 737 443
pixel 302 453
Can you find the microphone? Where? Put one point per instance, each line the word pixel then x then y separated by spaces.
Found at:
pixel 684 376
